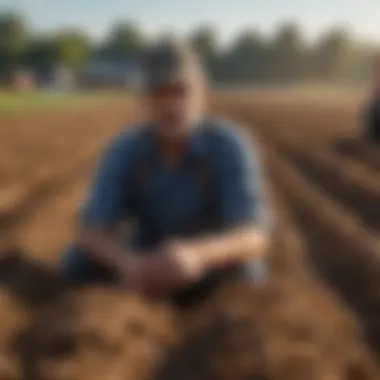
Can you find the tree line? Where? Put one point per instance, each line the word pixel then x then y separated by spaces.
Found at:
pixel 250 58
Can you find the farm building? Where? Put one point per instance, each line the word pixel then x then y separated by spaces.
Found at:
pixel 55 78
pixel 110 73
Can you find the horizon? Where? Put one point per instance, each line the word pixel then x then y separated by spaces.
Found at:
pixel 264 16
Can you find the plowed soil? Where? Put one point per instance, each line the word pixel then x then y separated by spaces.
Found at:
pixel 317 318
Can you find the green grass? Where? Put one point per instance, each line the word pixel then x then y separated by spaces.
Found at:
pixel 14 103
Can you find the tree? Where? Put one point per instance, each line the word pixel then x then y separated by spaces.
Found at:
pixel 246 59
pixel 287 53
pixel 41 53
pixel 205 41
pixel 250 58
pixel 71 49
pixel 332 54
pixel 13 40
pixel 124 41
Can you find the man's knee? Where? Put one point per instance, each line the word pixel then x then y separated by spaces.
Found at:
pixel 72 265
pixel 79 269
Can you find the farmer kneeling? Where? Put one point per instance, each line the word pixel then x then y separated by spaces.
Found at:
pixel 190 184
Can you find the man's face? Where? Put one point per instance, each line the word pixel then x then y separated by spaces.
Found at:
pixel 174 108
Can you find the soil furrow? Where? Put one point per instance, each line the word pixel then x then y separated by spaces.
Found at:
pixel 339 246
pixel 355 197
pixel 342 252
pixel 369 155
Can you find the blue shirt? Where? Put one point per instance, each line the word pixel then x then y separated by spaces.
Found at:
pixel 172 200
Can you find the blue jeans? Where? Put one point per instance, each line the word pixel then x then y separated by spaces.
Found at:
pixel 79 269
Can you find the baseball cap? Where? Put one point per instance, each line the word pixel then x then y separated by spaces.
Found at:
pixel 169 61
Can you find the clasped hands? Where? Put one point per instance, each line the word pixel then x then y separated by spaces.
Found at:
pixel 175 265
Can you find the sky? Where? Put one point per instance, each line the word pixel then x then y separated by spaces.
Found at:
pixel 181 16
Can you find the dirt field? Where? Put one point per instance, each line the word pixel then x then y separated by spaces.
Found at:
pixel 323 305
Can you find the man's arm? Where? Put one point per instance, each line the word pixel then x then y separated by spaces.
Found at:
pixel 103 246
pixel 244 218
pixel 243 210
pixel 232 246
pixel 106 208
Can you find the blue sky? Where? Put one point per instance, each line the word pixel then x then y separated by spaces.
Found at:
pixel 362 16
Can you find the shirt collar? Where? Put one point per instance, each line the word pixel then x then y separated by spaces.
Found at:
pixel 195 143
pixel 196 147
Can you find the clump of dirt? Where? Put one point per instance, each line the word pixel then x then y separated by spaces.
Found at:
pixel 25 288
pixel 14 317
pixel 289 330
pixel 28 280
pixel 308 333
pixel 51 331
pixel 97 333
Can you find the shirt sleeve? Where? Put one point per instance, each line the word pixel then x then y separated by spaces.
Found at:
pixel 107 201
pixel 241 183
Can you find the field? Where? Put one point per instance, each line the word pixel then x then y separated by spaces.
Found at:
pixel 324 184
pixel 16 103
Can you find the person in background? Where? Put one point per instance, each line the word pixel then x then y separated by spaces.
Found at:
pixel 372 116
pixel 191 185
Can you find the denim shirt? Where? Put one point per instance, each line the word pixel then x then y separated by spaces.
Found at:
pixel 172 199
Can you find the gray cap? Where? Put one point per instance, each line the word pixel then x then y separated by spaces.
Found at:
pixel 169 61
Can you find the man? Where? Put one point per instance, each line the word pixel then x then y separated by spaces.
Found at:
pixel 191 185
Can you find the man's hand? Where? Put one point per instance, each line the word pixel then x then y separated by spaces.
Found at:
pixel 185 259
pixel 176 265
pixel 130 273
pixel 181 263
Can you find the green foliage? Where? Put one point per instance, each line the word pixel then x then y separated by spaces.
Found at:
pixel 333 54
pixel 205 41
pixel 40 53
pixel 124 41
pixel 71 49
pixel 287 54
pixel 250 58
pixel 13 40
pixel 68 48
pixel 247 58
